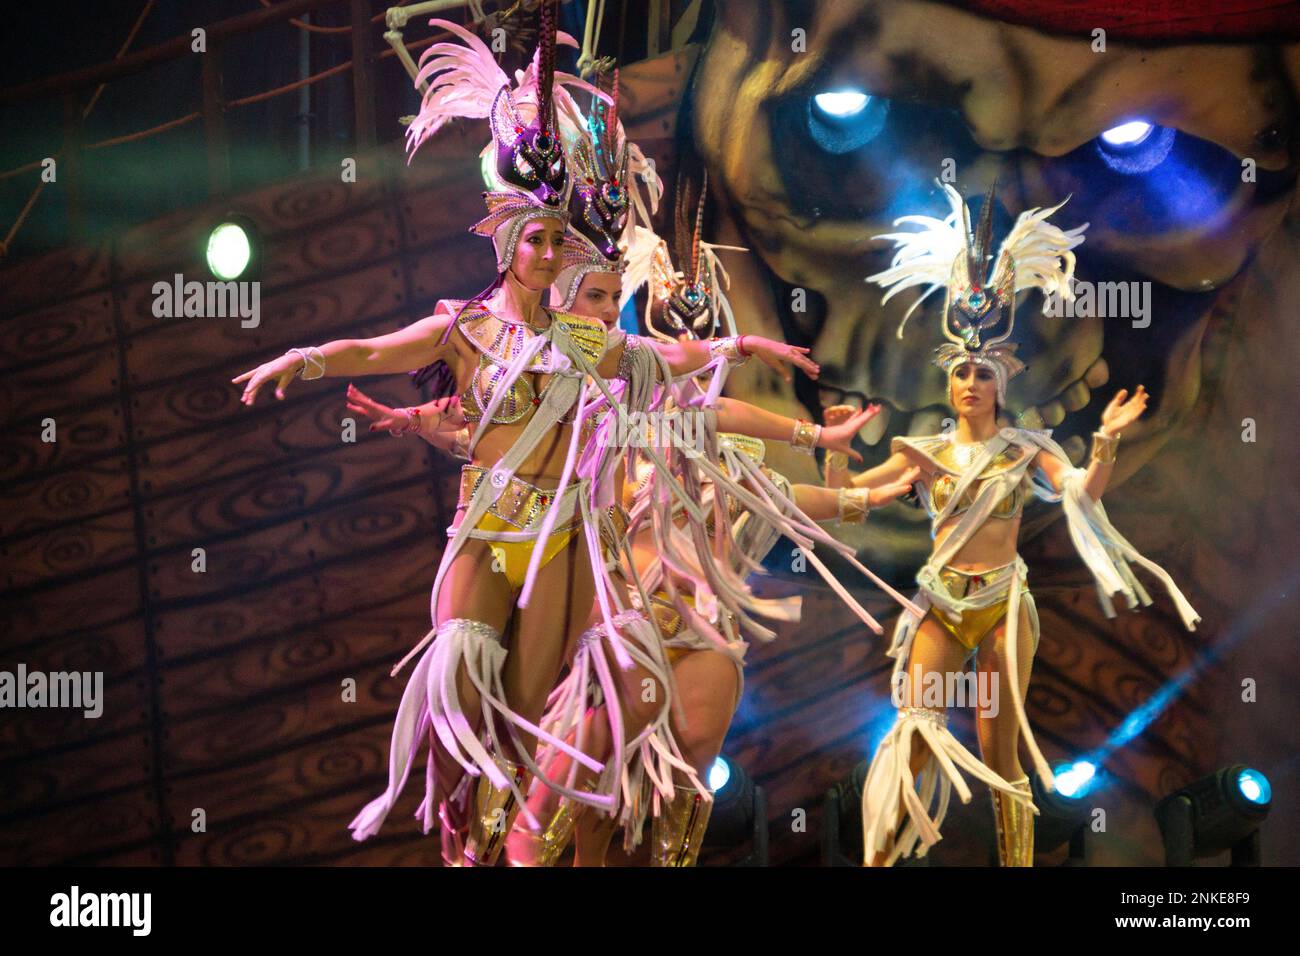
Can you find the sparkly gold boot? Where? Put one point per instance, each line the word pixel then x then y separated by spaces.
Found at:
pixel 546 847
pixel 495 809
pixel 678 830
pixel 1014 820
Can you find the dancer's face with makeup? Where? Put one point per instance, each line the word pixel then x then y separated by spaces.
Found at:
pixel 537 254
pixel 597 297
pixel 973 391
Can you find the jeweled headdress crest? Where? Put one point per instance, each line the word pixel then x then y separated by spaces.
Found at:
pixel 947 254
pixel 528 168
pixel 605 201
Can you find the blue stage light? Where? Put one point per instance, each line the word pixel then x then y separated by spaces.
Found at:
pixel 719 774
pixel 1072 779
pixel 1254 786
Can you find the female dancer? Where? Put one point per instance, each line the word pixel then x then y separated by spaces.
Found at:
pixel 675 733
pixel 975 483
pixel 521 371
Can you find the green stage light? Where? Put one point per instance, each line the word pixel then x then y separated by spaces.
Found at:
pixel 230 250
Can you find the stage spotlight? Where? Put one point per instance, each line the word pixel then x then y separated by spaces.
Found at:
pixel 1254 786
pixel 232 249
pixel 1063 813
pixel 842 819
pixel 1223 811
pixel 840 121
pixel 739 813
pixel 719 774
pixel 1072 779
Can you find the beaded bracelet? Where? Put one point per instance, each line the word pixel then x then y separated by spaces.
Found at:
pixel 412 423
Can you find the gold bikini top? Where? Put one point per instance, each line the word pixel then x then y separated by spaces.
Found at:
pixel 499 343
pixel 957 458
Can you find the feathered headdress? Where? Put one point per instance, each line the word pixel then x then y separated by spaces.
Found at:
pixel 947 254
pixel 605 200
pixel 526 161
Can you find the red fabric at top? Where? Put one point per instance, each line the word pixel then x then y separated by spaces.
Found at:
pixel 1160 20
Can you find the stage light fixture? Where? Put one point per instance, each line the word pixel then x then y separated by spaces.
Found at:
pixel 1063 813
pixel 739 813
pixel 719 774
pixel 232 249
pixel 1223 811
pixel 842 819
pixel 1073 779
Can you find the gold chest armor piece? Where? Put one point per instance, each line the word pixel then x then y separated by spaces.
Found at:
pixel 499 343
pixel 958 458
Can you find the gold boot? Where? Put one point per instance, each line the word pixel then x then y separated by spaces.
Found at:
pixel 1014 820
pixel 546 848
pixel 495 809
pixel 678 830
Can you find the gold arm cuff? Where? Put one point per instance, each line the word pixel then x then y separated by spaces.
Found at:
pixel 460 446
pixel 855 505
pixel 837 461
pixel 1104 447
pixel 805 436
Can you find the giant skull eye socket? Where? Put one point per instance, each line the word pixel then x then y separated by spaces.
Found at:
pixel 845 120
pixel 841 162
pixel 1145 182
pixel 1135 147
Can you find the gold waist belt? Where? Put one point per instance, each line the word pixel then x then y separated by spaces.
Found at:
pixel 962 584
pixel 670 621
pixel 521 505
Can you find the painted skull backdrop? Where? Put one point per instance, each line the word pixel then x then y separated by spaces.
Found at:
pixel 1193 242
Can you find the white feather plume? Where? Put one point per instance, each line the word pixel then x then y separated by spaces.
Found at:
pixel 1038 250
pixel 1041 254
pixel 924 257
pixel 464 79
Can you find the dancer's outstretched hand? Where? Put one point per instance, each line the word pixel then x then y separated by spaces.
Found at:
pixel 884 494
pixel 281 370
pixel 779 356
pixel 380 415
pixel 837 414
pixel 443 415
pixel 839 436
pixel 1124 410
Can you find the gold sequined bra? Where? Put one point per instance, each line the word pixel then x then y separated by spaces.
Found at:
pixel 958 457
pixel 499 343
